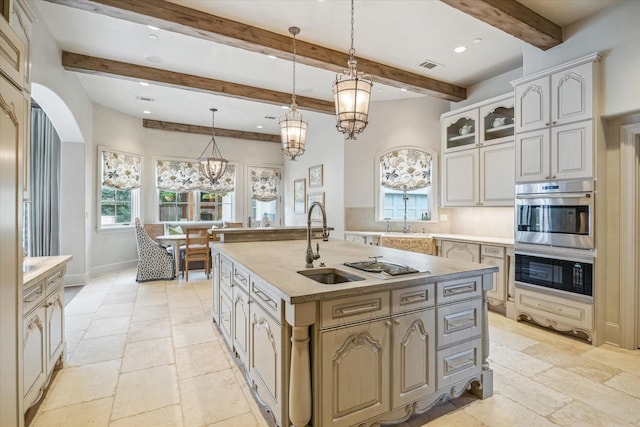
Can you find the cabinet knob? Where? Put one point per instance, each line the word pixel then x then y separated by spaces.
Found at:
pixel 553 177
pixel 554 123
pixel 546 124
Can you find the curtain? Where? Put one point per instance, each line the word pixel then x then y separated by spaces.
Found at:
pixel 120 170
pixel 264 184
pixel 182 176
pixel 44 228
pixel 405 169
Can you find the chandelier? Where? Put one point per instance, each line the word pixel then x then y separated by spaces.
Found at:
pixel 293 128
pixel 215 165
pixel 351 93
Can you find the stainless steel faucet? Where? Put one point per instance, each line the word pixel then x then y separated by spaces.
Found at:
pixel 310 257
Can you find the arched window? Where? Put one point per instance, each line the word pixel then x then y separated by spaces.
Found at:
pixel 406 184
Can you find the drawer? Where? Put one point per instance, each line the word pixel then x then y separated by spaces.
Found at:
pixel 459 289
pixel 413 298
pixel 225 317
pixel 54 281
pixel 492 251
pixel 265 298
pixel 240 278
pixel 553 310
pixel 458 322
pixel 32 296
pixel 459 363
pixel 352 309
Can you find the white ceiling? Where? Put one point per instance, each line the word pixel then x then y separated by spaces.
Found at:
pixel 399 33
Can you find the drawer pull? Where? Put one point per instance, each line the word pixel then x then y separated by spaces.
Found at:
pixel 459 323
pixel 264 297
pixel 548 307
pixel 241 278
pixel 452 366
pixel 413 298
pixel 360 309
pixel 459 290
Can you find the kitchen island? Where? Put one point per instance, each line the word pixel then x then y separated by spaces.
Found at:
pixel 373 349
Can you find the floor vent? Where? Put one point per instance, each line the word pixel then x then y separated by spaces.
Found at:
pixel 270 117
pixel 144 98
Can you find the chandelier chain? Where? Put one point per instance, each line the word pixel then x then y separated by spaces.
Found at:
pixel 293 95
pixel 352 51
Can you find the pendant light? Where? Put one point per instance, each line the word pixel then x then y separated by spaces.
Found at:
pixel 293 128
pixel 351 93
pixel 215 165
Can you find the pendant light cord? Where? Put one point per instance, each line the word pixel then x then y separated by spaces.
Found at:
pixel 352 51
pixel 293 95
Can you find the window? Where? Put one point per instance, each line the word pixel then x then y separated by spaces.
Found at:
pixel 185 194
pixel 120 188
pixel 405 185
pixel 265 200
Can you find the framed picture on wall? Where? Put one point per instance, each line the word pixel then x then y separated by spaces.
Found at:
pixel 316 215
pixel 300 195
pixel 315 176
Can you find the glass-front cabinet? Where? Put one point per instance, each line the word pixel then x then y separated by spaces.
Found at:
pixel 496 122
pixel 460 131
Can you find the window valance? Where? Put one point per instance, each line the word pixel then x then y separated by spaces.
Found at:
pixel 405 168
pixel 121 170
pixel 264 184
pixel 174 175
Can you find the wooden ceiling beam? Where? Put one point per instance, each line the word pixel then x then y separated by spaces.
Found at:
pixel 513 18
pixel 106 67
pixel 206 130
pixel 180 19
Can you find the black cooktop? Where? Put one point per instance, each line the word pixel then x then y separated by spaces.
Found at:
pixel 375 266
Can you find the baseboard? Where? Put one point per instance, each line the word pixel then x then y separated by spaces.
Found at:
pixel 76 279
pixel 113 268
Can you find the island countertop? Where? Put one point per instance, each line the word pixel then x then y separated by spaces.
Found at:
pixel 34 267
pixel 277 262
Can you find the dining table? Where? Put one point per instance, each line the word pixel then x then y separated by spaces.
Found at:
pixel 175 241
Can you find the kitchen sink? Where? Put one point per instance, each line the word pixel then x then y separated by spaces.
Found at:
pixel 330 276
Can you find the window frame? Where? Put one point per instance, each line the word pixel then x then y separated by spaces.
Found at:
pixel 379 190
pixel 249 199
pixel 136 193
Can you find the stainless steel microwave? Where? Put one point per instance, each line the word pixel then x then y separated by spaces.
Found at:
pixel 556 214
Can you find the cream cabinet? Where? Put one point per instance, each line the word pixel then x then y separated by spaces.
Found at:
pixel 365 239
pixel 489 254
pixel 556 118
pixel 480 171
pixel 422 245
pixel 43 327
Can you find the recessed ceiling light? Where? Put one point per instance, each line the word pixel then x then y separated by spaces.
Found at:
pixel 459 49
pixel 477 40
pixel 153 36
pixel 144 84
pixel 151 27
pixel 403 89
pixel 147 112
pixel 380 89
pixel 272 57
pixel 154 58
pixel 259 126
pixel 285 107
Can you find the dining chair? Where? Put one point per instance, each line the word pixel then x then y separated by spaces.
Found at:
pixel 154 261
pixel 196 248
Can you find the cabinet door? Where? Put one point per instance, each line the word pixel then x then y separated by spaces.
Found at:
pixel 532 105
pixel 215 281
pixel 240 324
pixel 497 175
pixel 355 377
pixel 55 328
pixel 572 151
pixel 225 318
pixel 265 359
pixel 460 184
pixel 414 346
pixel 532 156
pixel 496 122
pixel 34 357
pixel 460 131
pixel 461 251
pixel 572 95
pixel 496 295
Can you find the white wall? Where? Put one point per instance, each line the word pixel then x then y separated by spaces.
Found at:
pixel 615 33
pixel 324 146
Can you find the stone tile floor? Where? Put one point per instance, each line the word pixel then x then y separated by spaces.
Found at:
pixel 147 354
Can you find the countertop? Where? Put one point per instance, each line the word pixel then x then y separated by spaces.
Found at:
pixel 460 237
pixel 34 267
pixel 277 262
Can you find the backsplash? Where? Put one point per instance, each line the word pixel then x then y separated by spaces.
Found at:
pixel 490 222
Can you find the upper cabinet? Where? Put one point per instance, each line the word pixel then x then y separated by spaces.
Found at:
pixel 22 21
pixel 478 161
pixel 554 122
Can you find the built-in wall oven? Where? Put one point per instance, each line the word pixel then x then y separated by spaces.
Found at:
pixel 559 271
pixel 555 214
